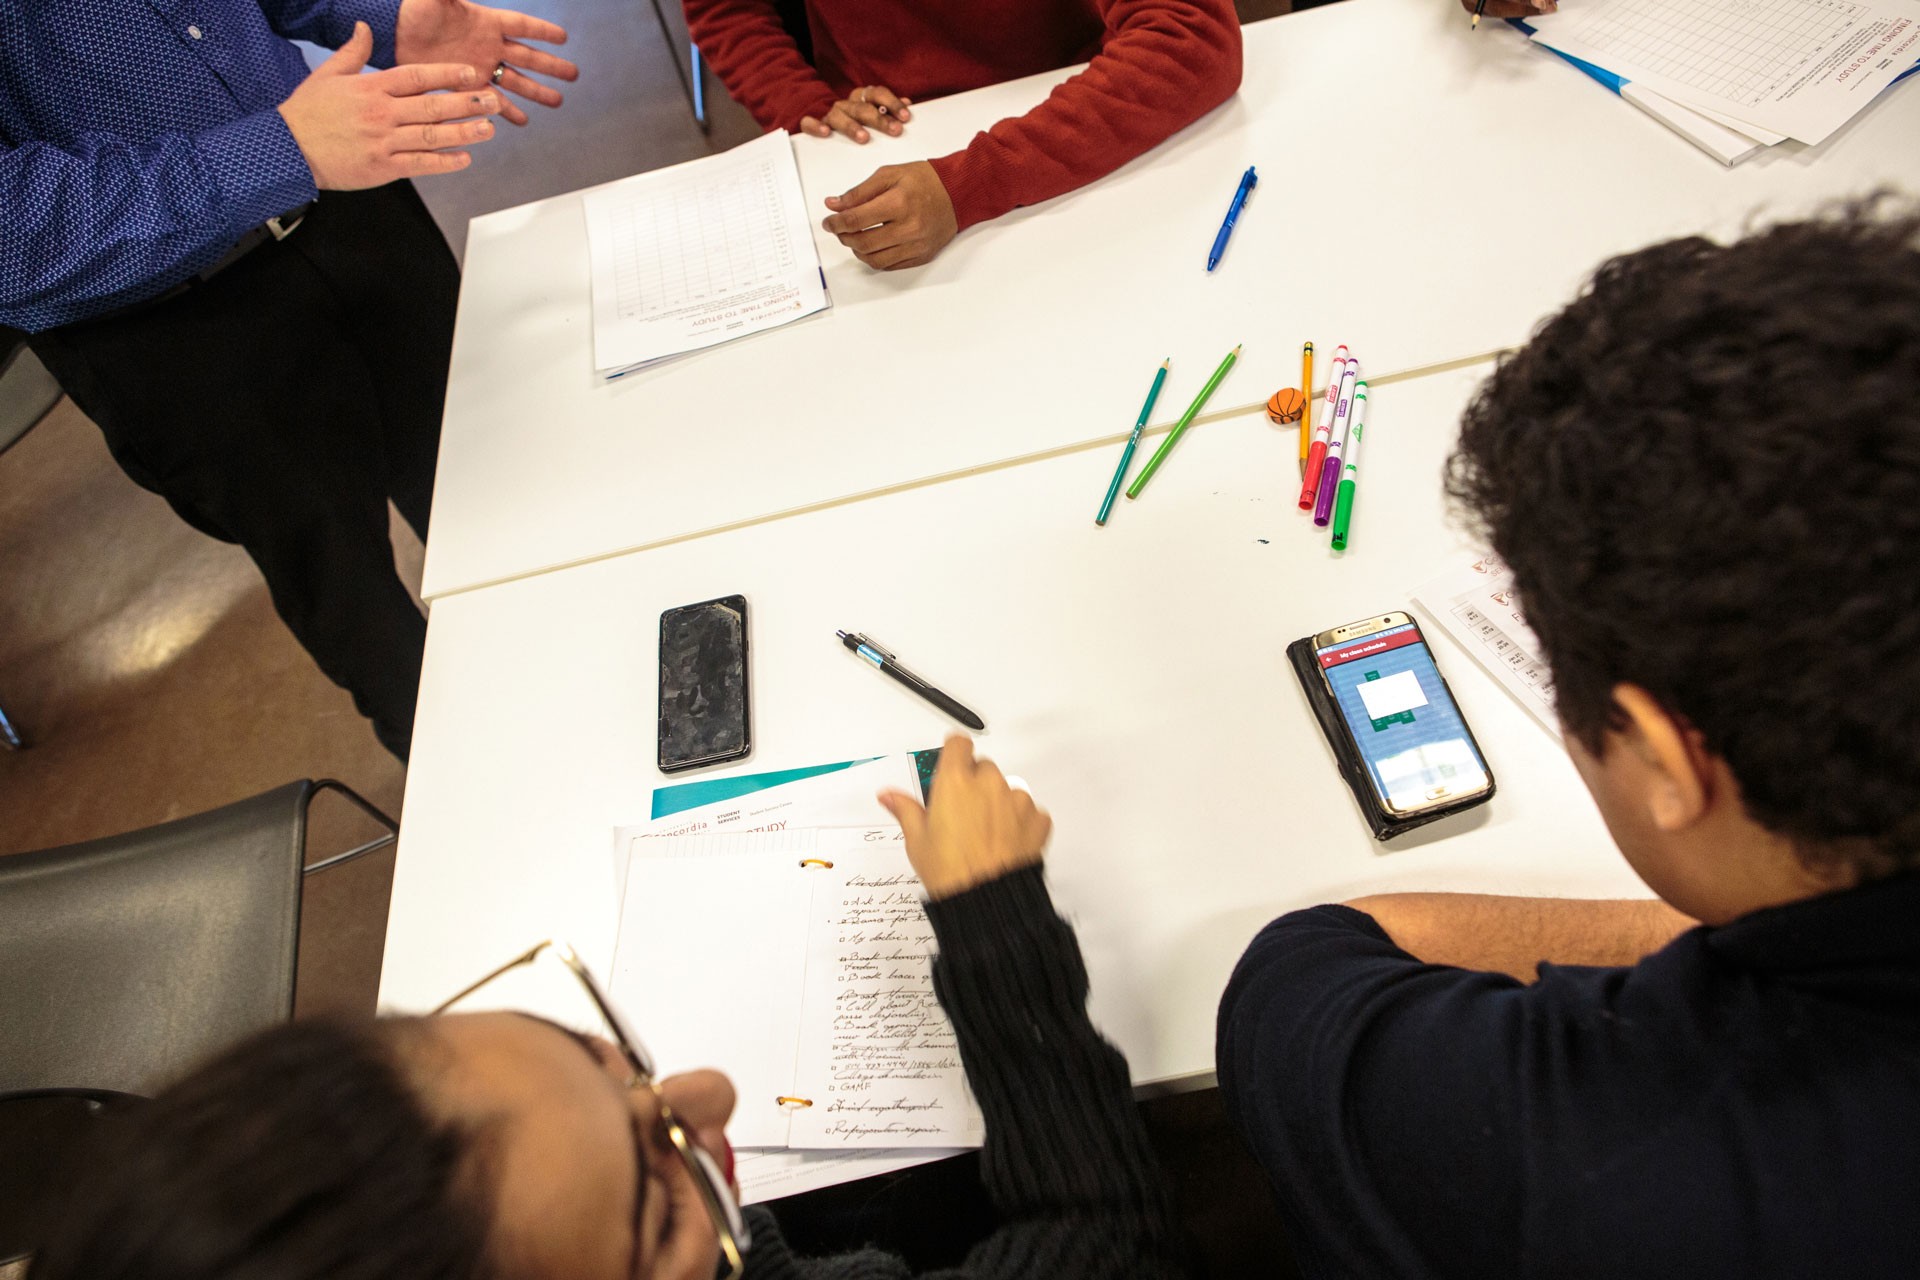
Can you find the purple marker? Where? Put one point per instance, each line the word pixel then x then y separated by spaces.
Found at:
pixel 1336 441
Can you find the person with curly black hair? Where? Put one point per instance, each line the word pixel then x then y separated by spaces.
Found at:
pixel 1705 477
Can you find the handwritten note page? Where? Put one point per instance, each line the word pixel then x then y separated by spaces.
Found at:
pixel 698 254
pixel 830 1004
pixel 879 1051
pixel 1801 68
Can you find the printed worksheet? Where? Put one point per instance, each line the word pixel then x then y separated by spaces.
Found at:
pixel 1475 605
pixel 1799 68
pixel 698 254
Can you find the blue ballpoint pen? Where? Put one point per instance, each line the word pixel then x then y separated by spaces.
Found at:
pixel 1233 215
pixel 1133 442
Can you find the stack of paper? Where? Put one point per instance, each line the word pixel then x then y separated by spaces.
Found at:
pixel 733 847
pixel 699 254
pixel 1735 76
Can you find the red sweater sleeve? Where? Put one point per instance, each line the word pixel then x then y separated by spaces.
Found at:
pixel 1163 64
pixel 758 61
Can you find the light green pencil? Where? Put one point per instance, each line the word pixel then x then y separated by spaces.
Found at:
pixel 1180 427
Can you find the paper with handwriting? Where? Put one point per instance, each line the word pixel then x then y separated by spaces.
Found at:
pixel 823 1012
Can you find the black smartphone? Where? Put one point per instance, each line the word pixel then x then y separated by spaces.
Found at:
pixel 1400 717
pixel 704 710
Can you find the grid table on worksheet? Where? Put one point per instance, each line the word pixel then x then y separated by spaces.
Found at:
pixel 698 241
pixel 1741 50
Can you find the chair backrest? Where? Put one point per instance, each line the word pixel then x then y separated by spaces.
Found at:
pixel 125 961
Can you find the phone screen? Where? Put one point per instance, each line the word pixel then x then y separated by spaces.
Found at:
pixel 1419 753
pixel 703 684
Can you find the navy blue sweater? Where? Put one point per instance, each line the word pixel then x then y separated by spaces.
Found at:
pixel 1744 1103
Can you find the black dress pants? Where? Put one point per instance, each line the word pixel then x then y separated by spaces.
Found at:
pixel 279 406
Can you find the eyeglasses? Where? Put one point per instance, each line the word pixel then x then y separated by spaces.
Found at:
pixel 728 1222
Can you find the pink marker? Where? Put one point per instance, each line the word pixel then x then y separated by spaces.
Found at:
pixel 1317 451
pixel 1344 453
pixel 1328 481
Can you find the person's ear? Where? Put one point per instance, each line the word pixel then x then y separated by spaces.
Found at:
pixel 1675 768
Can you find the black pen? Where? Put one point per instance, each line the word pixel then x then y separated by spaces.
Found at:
pixel 886 662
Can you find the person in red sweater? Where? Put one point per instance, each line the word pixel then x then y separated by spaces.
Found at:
pixel 1154 67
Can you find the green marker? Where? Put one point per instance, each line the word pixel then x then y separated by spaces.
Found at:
pixel 1350 468
pixel 1179 428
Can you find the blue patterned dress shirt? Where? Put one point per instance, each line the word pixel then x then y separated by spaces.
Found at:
pixel 139 140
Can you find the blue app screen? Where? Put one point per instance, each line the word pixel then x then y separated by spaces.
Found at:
pixel 1410 734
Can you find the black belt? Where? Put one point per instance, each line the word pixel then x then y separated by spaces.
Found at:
pixel 272 229
pixel 276 228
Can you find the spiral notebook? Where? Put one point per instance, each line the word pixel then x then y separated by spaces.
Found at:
pixel 799 962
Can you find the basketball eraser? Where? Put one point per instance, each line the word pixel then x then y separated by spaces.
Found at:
pixel 1286 405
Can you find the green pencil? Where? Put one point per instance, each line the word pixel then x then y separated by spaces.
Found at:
pixel 1179 428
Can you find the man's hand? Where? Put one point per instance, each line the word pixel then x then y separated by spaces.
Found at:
pixel 899 217
pixel 365 131
pixel 1514 8
pixel 872 106
pixel 976 828
pixel 483 38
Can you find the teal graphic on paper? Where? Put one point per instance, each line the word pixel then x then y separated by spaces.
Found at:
pixel 924 763
pixel 668 801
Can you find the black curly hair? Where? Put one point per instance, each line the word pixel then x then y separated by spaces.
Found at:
pixel 1705 476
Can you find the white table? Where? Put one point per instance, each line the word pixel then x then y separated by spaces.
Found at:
pixel 1484 179
pixel 1134 675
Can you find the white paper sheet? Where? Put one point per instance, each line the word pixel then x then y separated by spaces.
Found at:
pixel 862 1045
pixel 1801 68
pixel 1727 145
pixel 843 798
pixel 879 1054
pixel 769 1175
pixel 698 254
pixel 713 978
pixel 1475 605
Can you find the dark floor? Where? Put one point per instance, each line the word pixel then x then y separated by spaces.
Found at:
pixel 145 663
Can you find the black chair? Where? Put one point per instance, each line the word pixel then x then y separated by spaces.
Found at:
pixel 129 959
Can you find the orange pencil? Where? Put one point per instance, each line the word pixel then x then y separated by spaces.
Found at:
pixel 1306 407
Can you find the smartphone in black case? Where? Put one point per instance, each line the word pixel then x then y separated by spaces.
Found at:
pixel 704 709
pixel 1396 732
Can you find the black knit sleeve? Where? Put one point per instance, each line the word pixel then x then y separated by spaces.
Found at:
pixel 1066 1158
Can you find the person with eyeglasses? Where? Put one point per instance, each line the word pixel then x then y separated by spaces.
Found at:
pixel 464 1146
